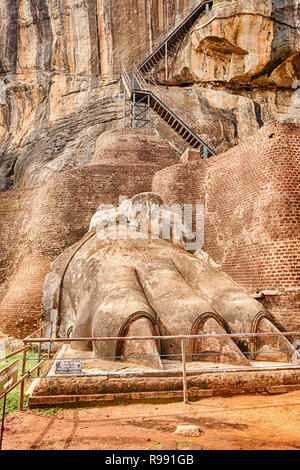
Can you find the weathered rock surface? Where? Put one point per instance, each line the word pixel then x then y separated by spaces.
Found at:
pixel 51 104
pixel 242 58
pixel 60 63
pixel 243 43
pixel 189 431
pixel 220 118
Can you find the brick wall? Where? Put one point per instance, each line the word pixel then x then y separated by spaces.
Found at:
pixel 131 146
pixel 37 224
pixel 252 206
pixel 252 209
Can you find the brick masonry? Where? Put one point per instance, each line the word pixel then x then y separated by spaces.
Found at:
pixel 252 206
pixel 37 224
pixel 252 211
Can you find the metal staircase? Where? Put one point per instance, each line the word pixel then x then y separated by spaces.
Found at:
pixel 138 92
pixel 173 38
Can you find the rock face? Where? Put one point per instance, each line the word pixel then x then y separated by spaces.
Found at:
pixel 59 63
pixel 60 66
pixel 190 431
pixel 50 78
pixel 244 58
pixel 254 43
pixel 220 118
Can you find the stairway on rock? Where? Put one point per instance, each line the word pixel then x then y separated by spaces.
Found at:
pixel 142 98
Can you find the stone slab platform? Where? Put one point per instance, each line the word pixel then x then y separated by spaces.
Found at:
pixel 99 385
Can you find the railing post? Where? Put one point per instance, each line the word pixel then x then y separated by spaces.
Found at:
pixel 49 350
pixel 184 381
pixel 39 355
pixel 125 107
pixel 205 153
pixel 133 112
pixel 166 45
pixel 166 64
pixel 2 421
pixel 207 8
pixel 22 385
pixel 148 111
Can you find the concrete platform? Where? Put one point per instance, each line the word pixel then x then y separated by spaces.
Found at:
pixel 100 383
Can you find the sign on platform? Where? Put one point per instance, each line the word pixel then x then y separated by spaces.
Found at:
pixel 68 367
pixel 9 376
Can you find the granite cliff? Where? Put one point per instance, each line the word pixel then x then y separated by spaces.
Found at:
pixel 60 65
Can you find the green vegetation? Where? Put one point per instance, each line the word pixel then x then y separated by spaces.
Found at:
pixel 12 400
pixel 182 444
pixel 157 446
pixel 121 402
pixel 50 411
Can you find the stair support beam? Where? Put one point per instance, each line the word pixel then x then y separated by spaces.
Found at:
pixel 135 84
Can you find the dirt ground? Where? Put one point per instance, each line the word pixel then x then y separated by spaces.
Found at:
pixel 238 422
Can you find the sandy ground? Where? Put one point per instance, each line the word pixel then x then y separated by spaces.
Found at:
pixel 238 422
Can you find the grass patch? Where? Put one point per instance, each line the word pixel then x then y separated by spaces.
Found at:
pixel 157 446
pixel 49 411
pixel 121 402
pixel 182 444
pixel 12 399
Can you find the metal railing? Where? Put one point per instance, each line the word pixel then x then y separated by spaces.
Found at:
pixel 34 343
pixel 40 360
pixel 148 82
pixel 139 81
pixel 184 354
pixel 166 36
pixel 127 81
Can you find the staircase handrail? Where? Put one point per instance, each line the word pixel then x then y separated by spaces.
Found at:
pixel 139 81
pixel 180 120
pixel 170 104
pixel 162 39
pixel 127 81
pixel 140 78
pixel 144 87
